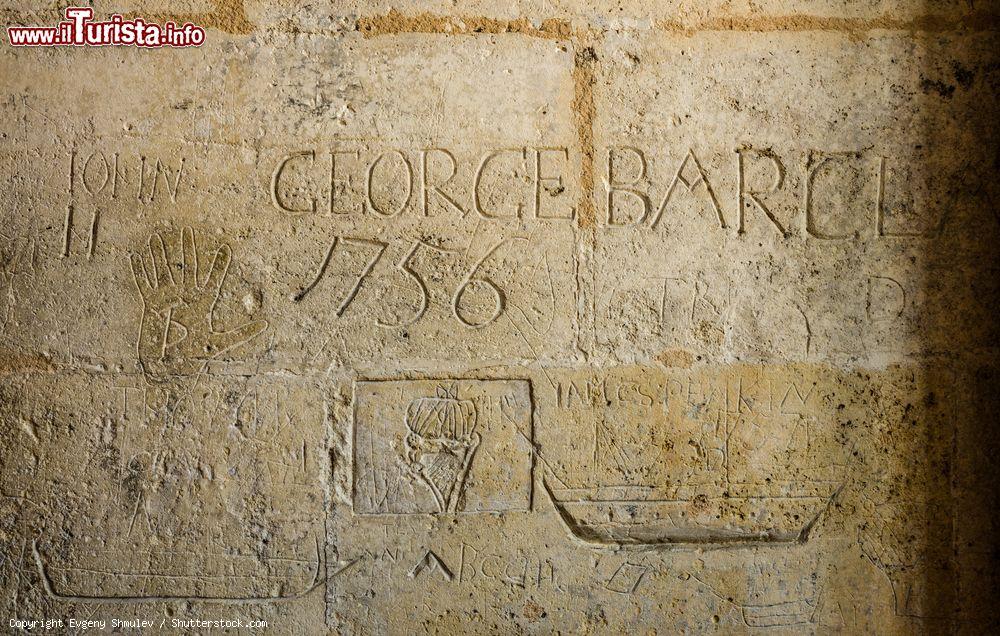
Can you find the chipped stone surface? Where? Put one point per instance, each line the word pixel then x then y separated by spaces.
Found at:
pixel 509 318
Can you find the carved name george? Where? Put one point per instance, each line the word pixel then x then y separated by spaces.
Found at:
pixel 526 182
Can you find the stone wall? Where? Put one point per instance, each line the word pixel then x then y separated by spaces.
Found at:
pixel 504 317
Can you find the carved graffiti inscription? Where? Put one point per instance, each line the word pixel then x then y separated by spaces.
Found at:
pixel 441 446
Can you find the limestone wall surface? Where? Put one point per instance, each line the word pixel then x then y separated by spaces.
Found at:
pixel 539 316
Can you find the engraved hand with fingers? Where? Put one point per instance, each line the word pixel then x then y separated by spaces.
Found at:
pixel 177 335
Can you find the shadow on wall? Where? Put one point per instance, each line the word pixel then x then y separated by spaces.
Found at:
pixel 926 499
pixel 947 497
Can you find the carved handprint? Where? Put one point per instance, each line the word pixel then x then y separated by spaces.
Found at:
pixel 177 335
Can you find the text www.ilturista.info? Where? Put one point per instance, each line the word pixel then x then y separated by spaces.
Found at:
pixel 79 30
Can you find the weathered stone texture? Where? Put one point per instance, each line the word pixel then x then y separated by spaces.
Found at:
pixel 536 317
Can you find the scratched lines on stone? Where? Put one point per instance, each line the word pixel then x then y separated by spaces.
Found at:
pixel 476 300
pixel 18 259
pixel 670 454
pixel 97 179
pixel 162 448
pixel 629 199
pixel 261 453
pixel 629 183
pixel 257 415
pixel 467 563
pixel 179 283
pixel 399 182
pixel 773 591
pixel 688 396
pixel 697 310
pixel 52 591
pixel 442 446
pixel 742 183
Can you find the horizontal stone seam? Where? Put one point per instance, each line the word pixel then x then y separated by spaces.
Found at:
pixel 229 16
pixel 396 23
